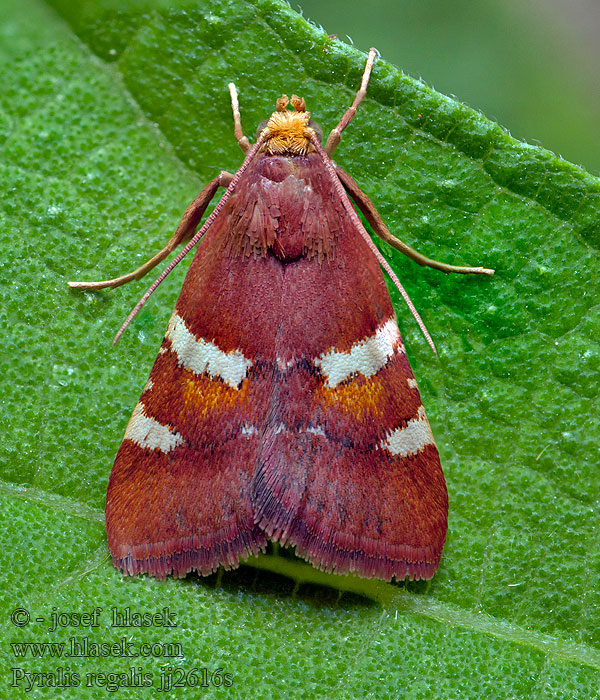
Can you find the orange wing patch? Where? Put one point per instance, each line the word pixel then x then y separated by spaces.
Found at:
pixel 210 396
pixel 362 399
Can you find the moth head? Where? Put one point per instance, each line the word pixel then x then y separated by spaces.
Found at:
pixel 289 132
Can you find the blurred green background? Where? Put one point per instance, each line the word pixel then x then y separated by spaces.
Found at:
pixel 530 65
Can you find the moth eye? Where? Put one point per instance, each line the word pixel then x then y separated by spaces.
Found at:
pixel 317 128
pixel 261 126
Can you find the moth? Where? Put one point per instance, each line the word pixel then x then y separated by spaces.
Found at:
pixel 281 405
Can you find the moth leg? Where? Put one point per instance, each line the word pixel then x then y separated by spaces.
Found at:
pixel 336 134
pixel 372 216
pixel 185 230
pixel 237 120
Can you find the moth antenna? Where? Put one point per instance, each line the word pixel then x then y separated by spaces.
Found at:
pixel 197 236
pixel 341 192
pixel 336 134
pixel 237 119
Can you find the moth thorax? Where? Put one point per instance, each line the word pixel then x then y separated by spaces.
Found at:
pixel 288 132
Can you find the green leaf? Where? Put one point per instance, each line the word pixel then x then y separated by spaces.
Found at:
pixel 112 118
